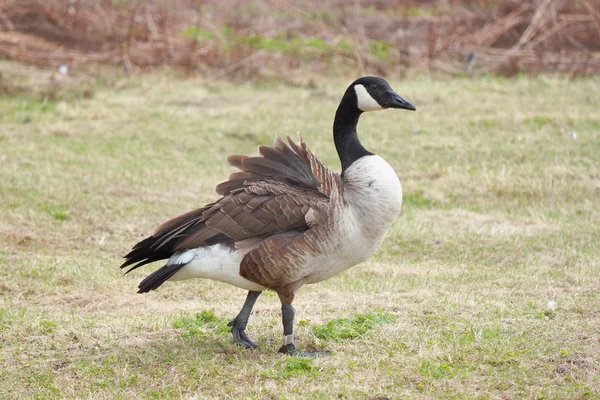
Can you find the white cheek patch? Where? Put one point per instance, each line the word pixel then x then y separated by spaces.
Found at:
pixel 365 101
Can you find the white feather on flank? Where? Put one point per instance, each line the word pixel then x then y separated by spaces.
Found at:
pixel 182 257
pixel 216 262
pixel 365 101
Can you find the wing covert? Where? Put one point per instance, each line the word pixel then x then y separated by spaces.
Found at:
pixel 282 190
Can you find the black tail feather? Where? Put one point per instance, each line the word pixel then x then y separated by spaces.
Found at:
pixel 164 243
pixel 158 277
pixel 143 253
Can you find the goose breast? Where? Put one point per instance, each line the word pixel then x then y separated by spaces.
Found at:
pixel 372 197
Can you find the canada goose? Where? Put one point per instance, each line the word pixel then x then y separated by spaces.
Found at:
pixel 285 219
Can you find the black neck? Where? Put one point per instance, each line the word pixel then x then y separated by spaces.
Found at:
pixel 348 146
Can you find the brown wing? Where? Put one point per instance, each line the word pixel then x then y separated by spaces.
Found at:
pixel 273 193
pixel 259 209
pixel 294 163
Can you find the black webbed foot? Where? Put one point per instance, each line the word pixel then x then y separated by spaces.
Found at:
pixel 238 331
pixel 289 349
pixel 238 325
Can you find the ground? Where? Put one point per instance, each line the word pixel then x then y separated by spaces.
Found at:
pixel 487 285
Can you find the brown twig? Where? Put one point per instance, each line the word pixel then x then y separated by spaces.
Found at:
pixel 594 13
pixel 534 25
pixel 125 48
pixel 6 21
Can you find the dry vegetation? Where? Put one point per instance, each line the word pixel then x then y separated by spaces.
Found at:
pixel 486 286
pixel 274 37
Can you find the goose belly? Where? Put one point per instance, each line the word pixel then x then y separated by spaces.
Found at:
pixel 218 262
pixel 372 200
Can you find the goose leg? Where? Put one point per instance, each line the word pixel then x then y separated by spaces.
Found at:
pixel 238 325
pixel 286 295
pixel 289 347
pixel 287 317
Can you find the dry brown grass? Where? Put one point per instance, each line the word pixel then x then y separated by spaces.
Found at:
pixel 500 218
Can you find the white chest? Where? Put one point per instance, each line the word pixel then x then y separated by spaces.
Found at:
pixel 373 192
pixel 372 200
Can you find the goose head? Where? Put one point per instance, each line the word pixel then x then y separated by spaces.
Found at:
pixel 368 93
pixel 373 94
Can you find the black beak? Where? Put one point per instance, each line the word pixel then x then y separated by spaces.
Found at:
pixel 398 102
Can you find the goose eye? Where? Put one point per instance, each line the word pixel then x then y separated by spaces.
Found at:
pixel 374 86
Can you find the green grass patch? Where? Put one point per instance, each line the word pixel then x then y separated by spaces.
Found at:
pixel 380 49
pixel 288 44
pixel 435 370
pixel 353 327
pixel 47 326
pixel 57 212
pixel 293 366
pixel 416 200
pixel 539 121
pixel 198 324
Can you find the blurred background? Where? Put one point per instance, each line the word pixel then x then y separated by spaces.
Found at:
pixel 293 40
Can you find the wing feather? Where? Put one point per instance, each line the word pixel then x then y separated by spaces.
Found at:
pixel 270 195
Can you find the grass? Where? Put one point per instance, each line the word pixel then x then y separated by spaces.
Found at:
pixel 351 328
pixel 500 220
